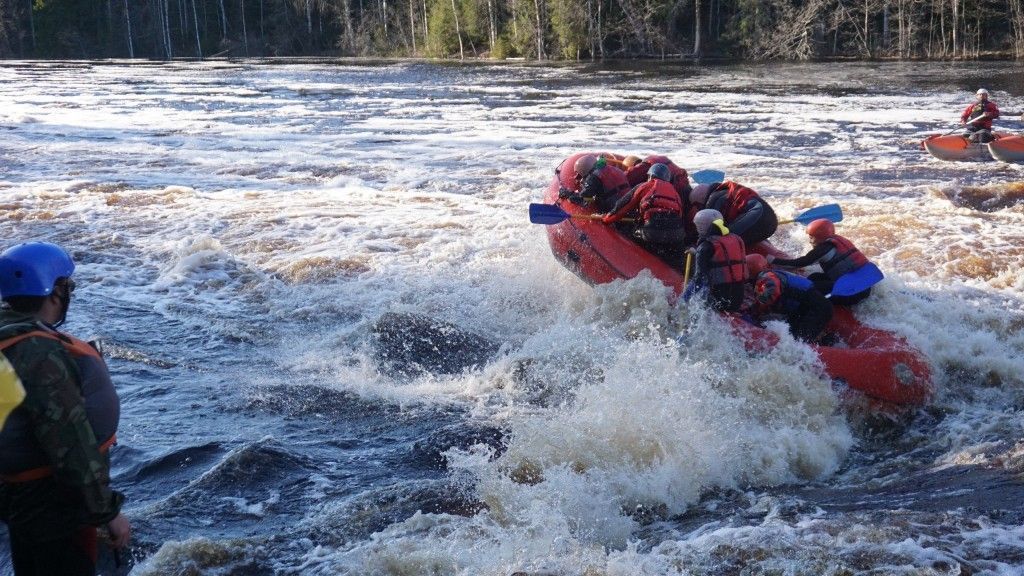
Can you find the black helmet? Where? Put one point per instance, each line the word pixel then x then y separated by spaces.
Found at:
pixel 661 172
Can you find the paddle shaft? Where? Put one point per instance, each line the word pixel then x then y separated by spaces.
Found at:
pixel 686 269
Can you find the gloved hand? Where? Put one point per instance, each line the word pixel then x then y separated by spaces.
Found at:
pixel 608 219
pixel 564 192
pixel 577 200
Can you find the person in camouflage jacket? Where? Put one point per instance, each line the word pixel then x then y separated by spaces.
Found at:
pixel 54 470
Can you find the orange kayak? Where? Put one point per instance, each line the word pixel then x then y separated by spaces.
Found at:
pixel 1007 149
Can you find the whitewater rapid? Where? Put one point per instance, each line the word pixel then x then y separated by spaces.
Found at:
pixel 240 227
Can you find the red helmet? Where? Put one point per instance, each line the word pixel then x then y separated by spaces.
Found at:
pixel 821 229
pixel 584 166
pixel 767 288
pixel 756 264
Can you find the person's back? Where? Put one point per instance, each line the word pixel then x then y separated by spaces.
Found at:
pixel 807 311
pixel 660 211
pixel 744 211
pixel 719 263
pixel 837 257
pixel 54 472
pixel 600 185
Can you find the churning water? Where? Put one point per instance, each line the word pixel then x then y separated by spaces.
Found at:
pixel 342 349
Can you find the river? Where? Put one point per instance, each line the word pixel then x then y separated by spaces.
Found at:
pixel 242 228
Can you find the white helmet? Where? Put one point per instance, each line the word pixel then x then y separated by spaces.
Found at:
pixel 703 220
pixel 700 193
pixel 982 91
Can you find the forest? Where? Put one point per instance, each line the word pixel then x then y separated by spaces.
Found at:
pixel 500 29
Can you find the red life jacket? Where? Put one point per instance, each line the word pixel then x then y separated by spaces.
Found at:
pixel 844 258
pixel 729 261
pixel 730 199
pixel 21 459
pixel 613 180
pixel 680 179
pixel 659 196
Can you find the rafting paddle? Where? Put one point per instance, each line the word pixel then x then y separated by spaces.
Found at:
pixel 551 214
pixel 857 281
pixel 830 212
pixel 707 176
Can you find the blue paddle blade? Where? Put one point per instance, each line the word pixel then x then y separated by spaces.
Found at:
pixel 831 212
pixel 546 214
pixel 857 281
pixel 707 176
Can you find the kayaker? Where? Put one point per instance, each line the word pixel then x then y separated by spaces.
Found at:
pixel 720 268
pixel 745 213
pixel 600 185
pixel 978 116
pixel 835 254
pixel 660 212
pixel 806 310
pixel 54 467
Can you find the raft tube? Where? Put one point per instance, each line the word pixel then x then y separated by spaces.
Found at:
pixel 955 147
pixel 1007 149
pixel 875 363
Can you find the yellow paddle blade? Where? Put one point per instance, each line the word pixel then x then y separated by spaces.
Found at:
pixel 11 390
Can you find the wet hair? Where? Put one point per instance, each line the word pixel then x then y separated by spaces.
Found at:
pixel 26 304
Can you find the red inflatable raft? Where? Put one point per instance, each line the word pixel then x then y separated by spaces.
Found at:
pixel 878 364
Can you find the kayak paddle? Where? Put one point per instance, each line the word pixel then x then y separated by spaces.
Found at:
pixel 857 281
pixel 830 212
pixel 707 176
pixel 551 214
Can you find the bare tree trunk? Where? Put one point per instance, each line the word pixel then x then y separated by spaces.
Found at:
pixel 412 25
pixel 492 24
pixel 309 17
pixel 223 21
pixel 956 23
pixel 245 34
pixel 885 27
pixel 262 39
pixel 32 23
pixel 384 16
pixel 458 31
pixel 540 31
pixel 515 20
pixel 195 18
pixel 697 49
pixel 426 33
pixel 167 29
pixel 128 26
pixel 600 34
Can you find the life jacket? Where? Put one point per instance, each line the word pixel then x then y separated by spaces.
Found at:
pixel 978 109
pixel 21 458
pixel 613 180
pixel 843 258
pixel 776 288
pixel 729 260
pixel 659 196
pixel 730 199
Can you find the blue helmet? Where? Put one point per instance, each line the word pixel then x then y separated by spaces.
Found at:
pixel 31 269
pixel 660 171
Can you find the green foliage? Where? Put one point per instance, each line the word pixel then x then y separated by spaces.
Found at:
pixel 570 26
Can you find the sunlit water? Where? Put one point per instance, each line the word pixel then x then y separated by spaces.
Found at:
pixel 240 228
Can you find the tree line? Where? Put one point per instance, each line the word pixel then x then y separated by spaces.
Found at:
pixel 532 29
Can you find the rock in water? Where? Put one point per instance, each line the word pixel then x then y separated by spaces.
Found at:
pixel 407 344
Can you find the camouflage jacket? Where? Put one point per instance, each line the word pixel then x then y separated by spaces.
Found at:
pixel 61 430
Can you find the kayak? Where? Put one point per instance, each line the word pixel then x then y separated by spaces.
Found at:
pixel 1007 149
pixel 865 362
pixel 957 148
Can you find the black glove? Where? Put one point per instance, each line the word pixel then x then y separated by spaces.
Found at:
pixel 579 200
pixel 564 192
